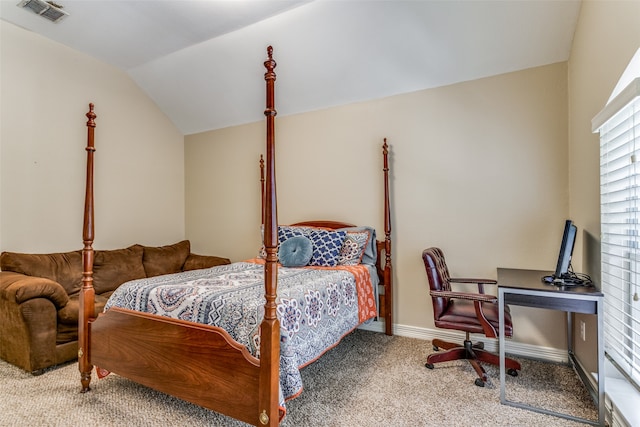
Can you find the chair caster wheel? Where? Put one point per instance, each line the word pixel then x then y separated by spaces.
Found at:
pixel 479 382
pixel 512 372
pixel 436 348
pixel 429 365
pixel 479 345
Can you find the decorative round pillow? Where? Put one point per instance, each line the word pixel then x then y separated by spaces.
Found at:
pixel 295 251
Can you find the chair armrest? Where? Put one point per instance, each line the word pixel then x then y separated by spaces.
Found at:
pixel 464 295
pixel 468 280
pixel 197 262
pixel 20 288
pixel 479 282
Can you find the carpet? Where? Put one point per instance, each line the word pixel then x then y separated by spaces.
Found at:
pixel 369 379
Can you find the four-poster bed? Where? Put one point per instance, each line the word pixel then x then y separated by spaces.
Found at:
pixel 208 365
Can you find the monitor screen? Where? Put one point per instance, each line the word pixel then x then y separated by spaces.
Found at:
pixel 566 250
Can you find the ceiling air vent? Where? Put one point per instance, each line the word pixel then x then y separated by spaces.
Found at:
pixel 47 9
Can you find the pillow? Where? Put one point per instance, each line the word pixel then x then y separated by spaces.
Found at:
pixel 197 262
pixel 326 247
pixel 114 267
pixel 353 247
pixel 295 252
pixel 287 231
pixel 284 232
pixel 326 243
pixel 370 255
pixel 165 259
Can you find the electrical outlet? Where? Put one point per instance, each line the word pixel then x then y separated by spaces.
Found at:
pixel 583 330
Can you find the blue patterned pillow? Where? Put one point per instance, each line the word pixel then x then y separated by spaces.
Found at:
pixel 326 247
pixel 286 232
pixel 295 252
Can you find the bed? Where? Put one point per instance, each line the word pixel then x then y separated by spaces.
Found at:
pixel 237 366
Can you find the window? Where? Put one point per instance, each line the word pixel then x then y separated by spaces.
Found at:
pixel 619 128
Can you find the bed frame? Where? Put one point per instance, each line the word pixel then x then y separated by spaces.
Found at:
pixel 199 363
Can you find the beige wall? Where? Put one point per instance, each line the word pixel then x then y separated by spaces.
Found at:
pixel 607 36
pixel 139 183
pixel 477 168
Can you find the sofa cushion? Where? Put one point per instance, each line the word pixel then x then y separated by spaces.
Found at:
pixel 165 259
pixel 114 267
pixel 197 262
pixel 70 313
pixel 64 268
pixel 66 333
pixel 67 328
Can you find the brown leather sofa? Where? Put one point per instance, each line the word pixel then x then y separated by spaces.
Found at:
pixel 39 295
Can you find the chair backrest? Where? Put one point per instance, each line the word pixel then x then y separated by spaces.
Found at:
pixel 438 275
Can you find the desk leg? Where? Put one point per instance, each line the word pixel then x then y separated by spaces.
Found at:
pixel 501 340
pixel 570 333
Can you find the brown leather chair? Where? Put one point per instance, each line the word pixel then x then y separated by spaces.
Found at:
pixel 462 311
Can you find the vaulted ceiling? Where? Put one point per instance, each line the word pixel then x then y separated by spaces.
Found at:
pixel 201 61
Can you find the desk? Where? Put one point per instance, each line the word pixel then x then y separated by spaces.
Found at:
pixel 525 288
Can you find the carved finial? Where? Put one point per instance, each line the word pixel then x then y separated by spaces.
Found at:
pixel 270 64
pixel 385 147
pixel 91 116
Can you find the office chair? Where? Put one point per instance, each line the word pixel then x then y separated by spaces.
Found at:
pixel 468 312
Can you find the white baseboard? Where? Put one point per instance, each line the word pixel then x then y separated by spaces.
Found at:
pixel 514 348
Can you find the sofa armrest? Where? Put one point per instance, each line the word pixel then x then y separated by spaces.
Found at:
pixel 20 288
pixel 196 262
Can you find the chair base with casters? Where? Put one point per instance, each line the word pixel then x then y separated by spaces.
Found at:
pixel 469 312
pixel 474 353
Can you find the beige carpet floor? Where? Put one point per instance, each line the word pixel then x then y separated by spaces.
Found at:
pixel 368 380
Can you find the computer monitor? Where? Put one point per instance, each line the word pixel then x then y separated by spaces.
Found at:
pixel 566 250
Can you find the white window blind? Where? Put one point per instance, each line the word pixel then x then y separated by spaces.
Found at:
pixel 619 127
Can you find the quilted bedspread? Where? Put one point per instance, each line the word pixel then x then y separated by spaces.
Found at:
pixel 317 306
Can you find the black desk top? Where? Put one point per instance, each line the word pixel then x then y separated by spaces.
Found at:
pixel 515 278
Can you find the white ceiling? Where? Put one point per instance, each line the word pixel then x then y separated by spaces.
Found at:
pixel 201 61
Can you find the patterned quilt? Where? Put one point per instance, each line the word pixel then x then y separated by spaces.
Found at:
pixel 317 306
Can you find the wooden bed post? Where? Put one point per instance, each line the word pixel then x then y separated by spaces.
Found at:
pixel 262 188
pixel 388 269
pixel 270 326
pixel 87 293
